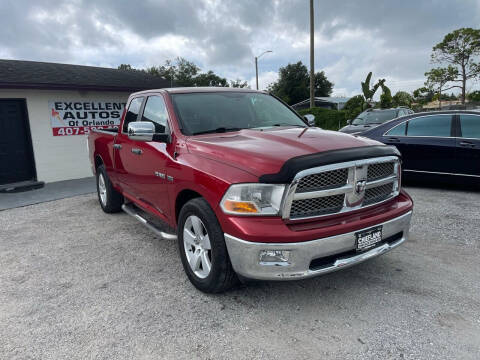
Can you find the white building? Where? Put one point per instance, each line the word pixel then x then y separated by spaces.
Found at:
pixel 45 111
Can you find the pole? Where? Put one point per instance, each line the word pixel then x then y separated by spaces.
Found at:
pixel 312 70
pixel 256 64
pixel 256 70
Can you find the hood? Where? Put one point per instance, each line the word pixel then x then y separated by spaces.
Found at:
pixel 351 129
pixel 264 152
pixel 356 129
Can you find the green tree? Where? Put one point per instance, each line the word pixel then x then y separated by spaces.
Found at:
pixel 474 96
pixel 238 84
pixel 369 93
pixel 323 87
pixel 438 78
pixel 423 95
pixel 179 72
pixel 186 71
pixel 402 98
pixel 125 67
pixel 460 49
pixel 386 100
pixel 167 71
pixel 209 79
pixel 292 84
pixel 353 107
pixel 294 81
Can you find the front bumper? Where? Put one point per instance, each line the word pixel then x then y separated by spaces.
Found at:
pixel 315 257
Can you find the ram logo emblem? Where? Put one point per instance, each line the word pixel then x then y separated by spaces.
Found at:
pixel 360 186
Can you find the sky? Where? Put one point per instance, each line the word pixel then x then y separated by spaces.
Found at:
pixel 393 39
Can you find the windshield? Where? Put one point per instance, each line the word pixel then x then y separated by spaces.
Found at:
pixel 201 113
pixel 374 117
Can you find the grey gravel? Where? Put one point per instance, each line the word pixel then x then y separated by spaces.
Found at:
pixel 76 283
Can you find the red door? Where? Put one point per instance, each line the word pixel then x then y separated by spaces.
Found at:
pixel 146 164
pixel 126 162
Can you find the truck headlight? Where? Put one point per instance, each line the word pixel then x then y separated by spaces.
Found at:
pixel 253 199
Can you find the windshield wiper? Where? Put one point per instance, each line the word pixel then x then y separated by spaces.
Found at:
pixel 217 130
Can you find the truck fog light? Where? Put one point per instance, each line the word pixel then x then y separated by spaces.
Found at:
pixel 275 257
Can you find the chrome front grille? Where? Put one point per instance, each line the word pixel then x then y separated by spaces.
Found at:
pixel 325 180
pixel 377 194
pixel 317 206
pixel 381 170
pixel 342 187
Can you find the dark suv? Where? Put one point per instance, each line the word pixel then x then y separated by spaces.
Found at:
pixel 373 117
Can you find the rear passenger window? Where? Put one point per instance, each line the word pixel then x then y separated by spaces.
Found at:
pixel 156 112
pixel 434 125
pixel 470 125
pixel 132 112
pixel 398 130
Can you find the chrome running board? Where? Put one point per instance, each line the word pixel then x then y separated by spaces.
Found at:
pixel 130 210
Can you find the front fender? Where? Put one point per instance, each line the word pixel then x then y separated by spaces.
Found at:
pixel 207 177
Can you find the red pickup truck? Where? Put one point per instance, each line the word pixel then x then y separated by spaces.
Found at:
pixel 248 187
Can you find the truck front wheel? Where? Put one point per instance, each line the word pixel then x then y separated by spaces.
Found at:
pixel 110 200
pixel 202 248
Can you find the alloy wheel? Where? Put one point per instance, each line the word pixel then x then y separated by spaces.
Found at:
pixel 102 189
pixel 197 246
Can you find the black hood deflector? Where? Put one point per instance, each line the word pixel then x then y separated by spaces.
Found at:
pixel 292 166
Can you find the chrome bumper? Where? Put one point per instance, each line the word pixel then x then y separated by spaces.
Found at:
pixel 244 255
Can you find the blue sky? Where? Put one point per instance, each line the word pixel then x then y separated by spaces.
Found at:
pixel 391 38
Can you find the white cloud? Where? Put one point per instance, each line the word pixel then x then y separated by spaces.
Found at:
pixel 264 79
pixel 393 39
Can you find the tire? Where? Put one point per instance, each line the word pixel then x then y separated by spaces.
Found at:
pixel 110 200
pixel 197 217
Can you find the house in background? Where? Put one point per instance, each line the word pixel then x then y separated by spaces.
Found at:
pixel 333 103
pixel 46 110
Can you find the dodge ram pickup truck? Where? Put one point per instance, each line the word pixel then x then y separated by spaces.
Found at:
pixel 247 187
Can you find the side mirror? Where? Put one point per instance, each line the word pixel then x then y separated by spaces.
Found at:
pixel 310 119
pixel 349 122
pixel 141 131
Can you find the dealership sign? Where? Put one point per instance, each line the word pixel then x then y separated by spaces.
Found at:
pixel 79 117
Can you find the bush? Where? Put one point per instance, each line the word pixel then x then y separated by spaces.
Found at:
pixel 325 118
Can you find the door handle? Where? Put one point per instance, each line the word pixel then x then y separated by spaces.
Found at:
pixel 117 146
pixel 137 151
pixel 467 144
pixel 393 139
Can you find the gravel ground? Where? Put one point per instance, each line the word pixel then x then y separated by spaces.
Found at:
pixel 76 283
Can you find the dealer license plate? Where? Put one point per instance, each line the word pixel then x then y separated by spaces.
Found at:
pixel 368 238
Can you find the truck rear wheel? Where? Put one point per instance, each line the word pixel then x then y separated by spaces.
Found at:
pixel 202 248
pixel 110 200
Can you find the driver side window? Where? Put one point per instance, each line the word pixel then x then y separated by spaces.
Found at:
pixel 156 112
pixel 132 113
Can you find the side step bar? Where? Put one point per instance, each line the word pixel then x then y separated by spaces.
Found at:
pixel 130 210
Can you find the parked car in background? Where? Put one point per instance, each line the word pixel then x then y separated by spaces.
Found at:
pixel 445 143
pixel 373 117
pixel 247 187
